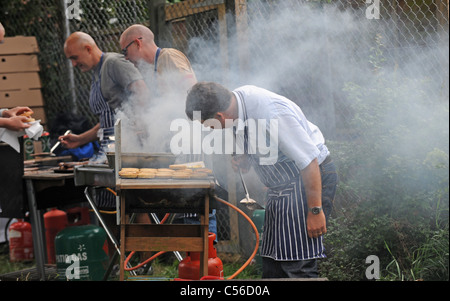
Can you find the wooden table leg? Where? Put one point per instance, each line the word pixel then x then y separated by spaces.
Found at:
pixel 122 237
pixel 204 221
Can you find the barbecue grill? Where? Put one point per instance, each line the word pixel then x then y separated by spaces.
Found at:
pixel 151 196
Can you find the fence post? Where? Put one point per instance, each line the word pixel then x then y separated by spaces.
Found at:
pixel 242 38
pixel 157 19
pixel 69 64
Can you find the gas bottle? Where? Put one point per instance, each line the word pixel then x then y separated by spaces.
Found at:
pixel 78 216
pixel 81 253
pixel 54 221
pixel 189 267
pixel 20 241
pixel 258 220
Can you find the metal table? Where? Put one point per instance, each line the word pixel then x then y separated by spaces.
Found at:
pixel 47 189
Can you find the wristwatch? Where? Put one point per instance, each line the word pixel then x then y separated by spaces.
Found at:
pixel 315 210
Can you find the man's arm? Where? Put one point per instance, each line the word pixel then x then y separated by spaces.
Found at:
pixel 316 223
pixel 74 141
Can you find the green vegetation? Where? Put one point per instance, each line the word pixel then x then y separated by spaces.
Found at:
pixel 393 196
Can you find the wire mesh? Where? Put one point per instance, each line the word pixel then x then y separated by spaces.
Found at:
pixel 305 50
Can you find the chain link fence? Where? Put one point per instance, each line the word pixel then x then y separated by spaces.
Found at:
pixel 305 50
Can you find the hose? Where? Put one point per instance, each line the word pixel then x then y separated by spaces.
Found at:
pixel 254 229
pixel 125 263
pixel 228 278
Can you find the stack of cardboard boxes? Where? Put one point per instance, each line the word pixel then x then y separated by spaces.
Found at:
pixel 20 84
pixel 19 75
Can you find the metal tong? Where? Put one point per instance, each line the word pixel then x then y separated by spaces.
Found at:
pixel 250 203
pixel 58 143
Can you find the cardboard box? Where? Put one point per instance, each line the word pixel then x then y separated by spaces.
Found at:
pixel 19 45
pixel 19 81
pixel 39 114
pixel 18 63
pixel 28 98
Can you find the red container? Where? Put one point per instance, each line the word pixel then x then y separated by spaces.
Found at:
pixel 54 221
pixel 78 216
pixel 189 267
pixel 20 241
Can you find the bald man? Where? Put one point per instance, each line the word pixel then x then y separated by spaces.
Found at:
pixel 165 70
pixel 114 81
pixel 169 75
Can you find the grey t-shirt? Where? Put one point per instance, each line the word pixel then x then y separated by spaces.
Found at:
pixel 117 74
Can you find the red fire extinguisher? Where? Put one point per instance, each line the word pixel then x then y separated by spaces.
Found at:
pixel 189 267
pixel 20 241
pixel 54 221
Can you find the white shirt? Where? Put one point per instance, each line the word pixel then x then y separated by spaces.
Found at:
pixel 296 139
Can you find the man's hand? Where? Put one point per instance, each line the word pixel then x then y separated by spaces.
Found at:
pixel 17 111
pixel 70 140
pixel 15 123
pixel 316 224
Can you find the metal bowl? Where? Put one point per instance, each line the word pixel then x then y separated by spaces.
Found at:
pixel 142 160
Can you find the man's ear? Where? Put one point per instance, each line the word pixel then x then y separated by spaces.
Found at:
pixel 88 48
pixel 138 43
pixel 220 116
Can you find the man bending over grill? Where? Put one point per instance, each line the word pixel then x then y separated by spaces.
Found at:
pixel 300 175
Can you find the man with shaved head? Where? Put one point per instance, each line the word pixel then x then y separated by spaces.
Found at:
pixel 114 80
pixel 165 70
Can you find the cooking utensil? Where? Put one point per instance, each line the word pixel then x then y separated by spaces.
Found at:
pixel 58 143
pixel 250 203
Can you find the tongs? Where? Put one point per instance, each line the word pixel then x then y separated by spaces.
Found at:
pixel 250 203
pixel 58 143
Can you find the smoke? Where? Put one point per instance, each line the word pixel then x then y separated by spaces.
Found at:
pixel 338 66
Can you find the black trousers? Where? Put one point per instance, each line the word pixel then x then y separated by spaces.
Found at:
pixel 289 269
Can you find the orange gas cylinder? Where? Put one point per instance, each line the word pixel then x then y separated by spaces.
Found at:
pixel 20 241
pixel 189 267
pixel 54 221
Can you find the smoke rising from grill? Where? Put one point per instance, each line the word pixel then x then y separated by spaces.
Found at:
pixel 310 55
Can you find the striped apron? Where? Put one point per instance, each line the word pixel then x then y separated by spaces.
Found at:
pixel 100 107
pixel 285 235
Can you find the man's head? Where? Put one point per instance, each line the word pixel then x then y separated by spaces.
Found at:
pixel 2 32
pixel 213 101
pixel 82 50
pixel 138 43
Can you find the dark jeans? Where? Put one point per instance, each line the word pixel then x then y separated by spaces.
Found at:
pixel 289 269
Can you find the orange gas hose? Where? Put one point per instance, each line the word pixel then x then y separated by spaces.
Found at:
pixel 125 263
pixel 254 229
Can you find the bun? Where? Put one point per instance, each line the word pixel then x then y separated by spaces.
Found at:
pixel 28 114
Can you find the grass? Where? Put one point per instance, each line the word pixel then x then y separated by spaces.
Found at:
pixel 6 266
pixel 162 268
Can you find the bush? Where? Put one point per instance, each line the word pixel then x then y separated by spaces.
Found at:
pixel 392 198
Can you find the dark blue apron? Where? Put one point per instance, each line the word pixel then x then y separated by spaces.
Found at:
pixel 100 107
pixel 285 234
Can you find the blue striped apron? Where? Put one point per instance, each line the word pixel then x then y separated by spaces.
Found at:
pixel 285 236
pixel 100 107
